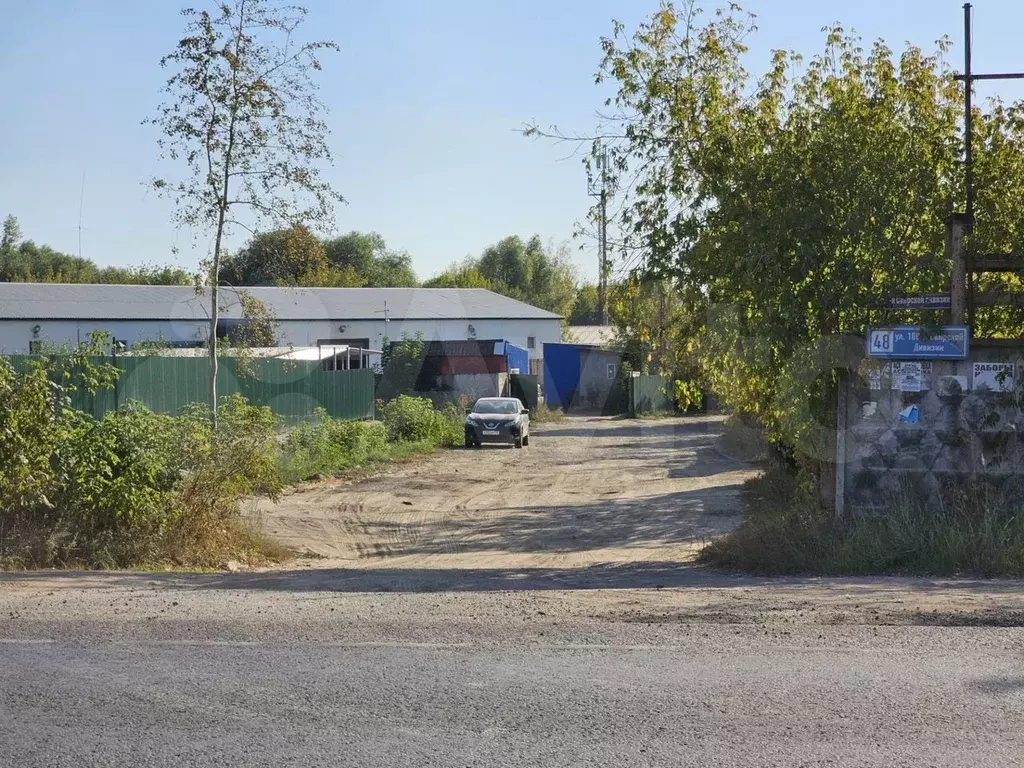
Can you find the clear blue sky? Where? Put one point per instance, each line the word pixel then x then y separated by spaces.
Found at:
pixel 425 100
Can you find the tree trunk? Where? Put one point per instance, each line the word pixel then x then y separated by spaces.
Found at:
pixel 215 317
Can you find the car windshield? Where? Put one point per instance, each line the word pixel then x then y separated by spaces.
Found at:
pixel 496 406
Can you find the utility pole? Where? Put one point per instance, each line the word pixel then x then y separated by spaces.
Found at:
pixel 960 225
pixel 600 191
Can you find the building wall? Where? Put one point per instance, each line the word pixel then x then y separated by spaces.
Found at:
pixel 307 333
pixel 577 376
pixel 15 335
pixel 595 381
pixel 893 441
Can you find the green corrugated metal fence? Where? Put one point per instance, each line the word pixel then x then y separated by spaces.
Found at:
pixel 292 389
pixel 650 394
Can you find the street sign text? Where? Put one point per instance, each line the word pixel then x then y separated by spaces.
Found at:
pixel 906 342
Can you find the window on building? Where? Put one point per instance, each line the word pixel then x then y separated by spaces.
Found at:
pixel 531 342
pixel 613 369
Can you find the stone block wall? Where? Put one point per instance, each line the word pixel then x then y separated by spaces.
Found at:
pixel 965 422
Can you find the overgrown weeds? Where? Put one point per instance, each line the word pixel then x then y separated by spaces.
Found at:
pixel 138 488
pixel 326 447
pixel 414 419
pixel 543 415
pixel 411 426
pixel 978 530
pixel 131 487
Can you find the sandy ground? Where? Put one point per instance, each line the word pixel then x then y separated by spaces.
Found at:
pixel 587 491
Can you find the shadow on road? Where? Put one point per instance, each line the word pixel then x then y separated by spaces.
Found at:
pixel 682 427
pixel 638 522
pixel 999 686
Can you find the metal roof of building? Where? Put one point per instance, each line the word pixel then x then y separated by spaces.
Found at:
pixel 62 301
pixel 596 335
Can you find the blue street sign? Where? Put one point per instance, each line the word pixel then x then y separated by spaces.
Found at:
pixel 908 342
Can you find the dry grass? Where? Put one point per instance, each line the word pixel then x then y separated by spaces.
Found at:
pixel 977 530
pixel 192 543
pixel 544 415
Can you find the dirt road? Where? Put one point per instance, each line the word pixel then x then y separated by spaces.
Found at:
pixel 587 491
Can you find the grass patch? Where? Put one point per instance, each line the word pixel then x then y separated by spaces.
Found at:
pixel 327 448
pixel 654 415
pixel 544 415
pixel 976 531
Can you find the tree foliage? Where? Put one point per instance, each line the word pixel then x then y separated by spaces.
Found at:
pixel 794 204
pixel 22 261
pixel 367 256
pixel 584 306
pixel 296 256
pixel 243 119
pixel 528 271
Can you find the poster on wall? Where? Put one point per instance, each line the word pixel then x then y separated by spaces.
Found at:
pixel 906 377
pixel 996 377
pixel 879 376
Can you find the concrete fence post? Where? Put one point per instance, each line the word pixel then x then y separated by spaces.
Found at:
pixel 843 394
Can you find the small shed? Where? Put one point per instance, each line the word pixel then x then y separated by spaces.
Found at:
pixel 468 368
pixel 583 377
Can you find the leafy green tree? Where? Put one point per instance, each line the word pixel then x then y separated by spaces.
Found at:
pixel 527 271
pixel 401 364
pixel 11 233
pixel 24 261
pixel 659 324
pixel 367 259
pixel 793 205
pixel 584 306
pixel 465 274
pixel 292 256
pixel 145 275
pixel 243 119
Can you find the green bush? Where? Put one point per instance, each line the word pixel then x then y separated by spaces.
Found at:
pixel 326 446
pixel 120 470
pixel 135 487
pixel 131 487
pixel 219 469
pixel 414 419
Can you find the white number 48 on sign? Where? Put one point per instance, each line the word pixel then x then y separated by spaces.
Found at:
pixel 881 341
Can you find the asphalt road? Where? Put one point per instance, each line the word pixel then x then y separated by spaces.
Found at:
pixel 129 673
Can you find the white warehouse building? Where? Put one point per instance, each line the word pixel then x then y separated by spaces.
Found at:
pixel 35 315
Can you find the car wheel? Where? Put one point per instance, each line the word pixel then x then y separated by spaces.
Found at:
pixel 469 443
pixel 519 442
pixel 526 439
